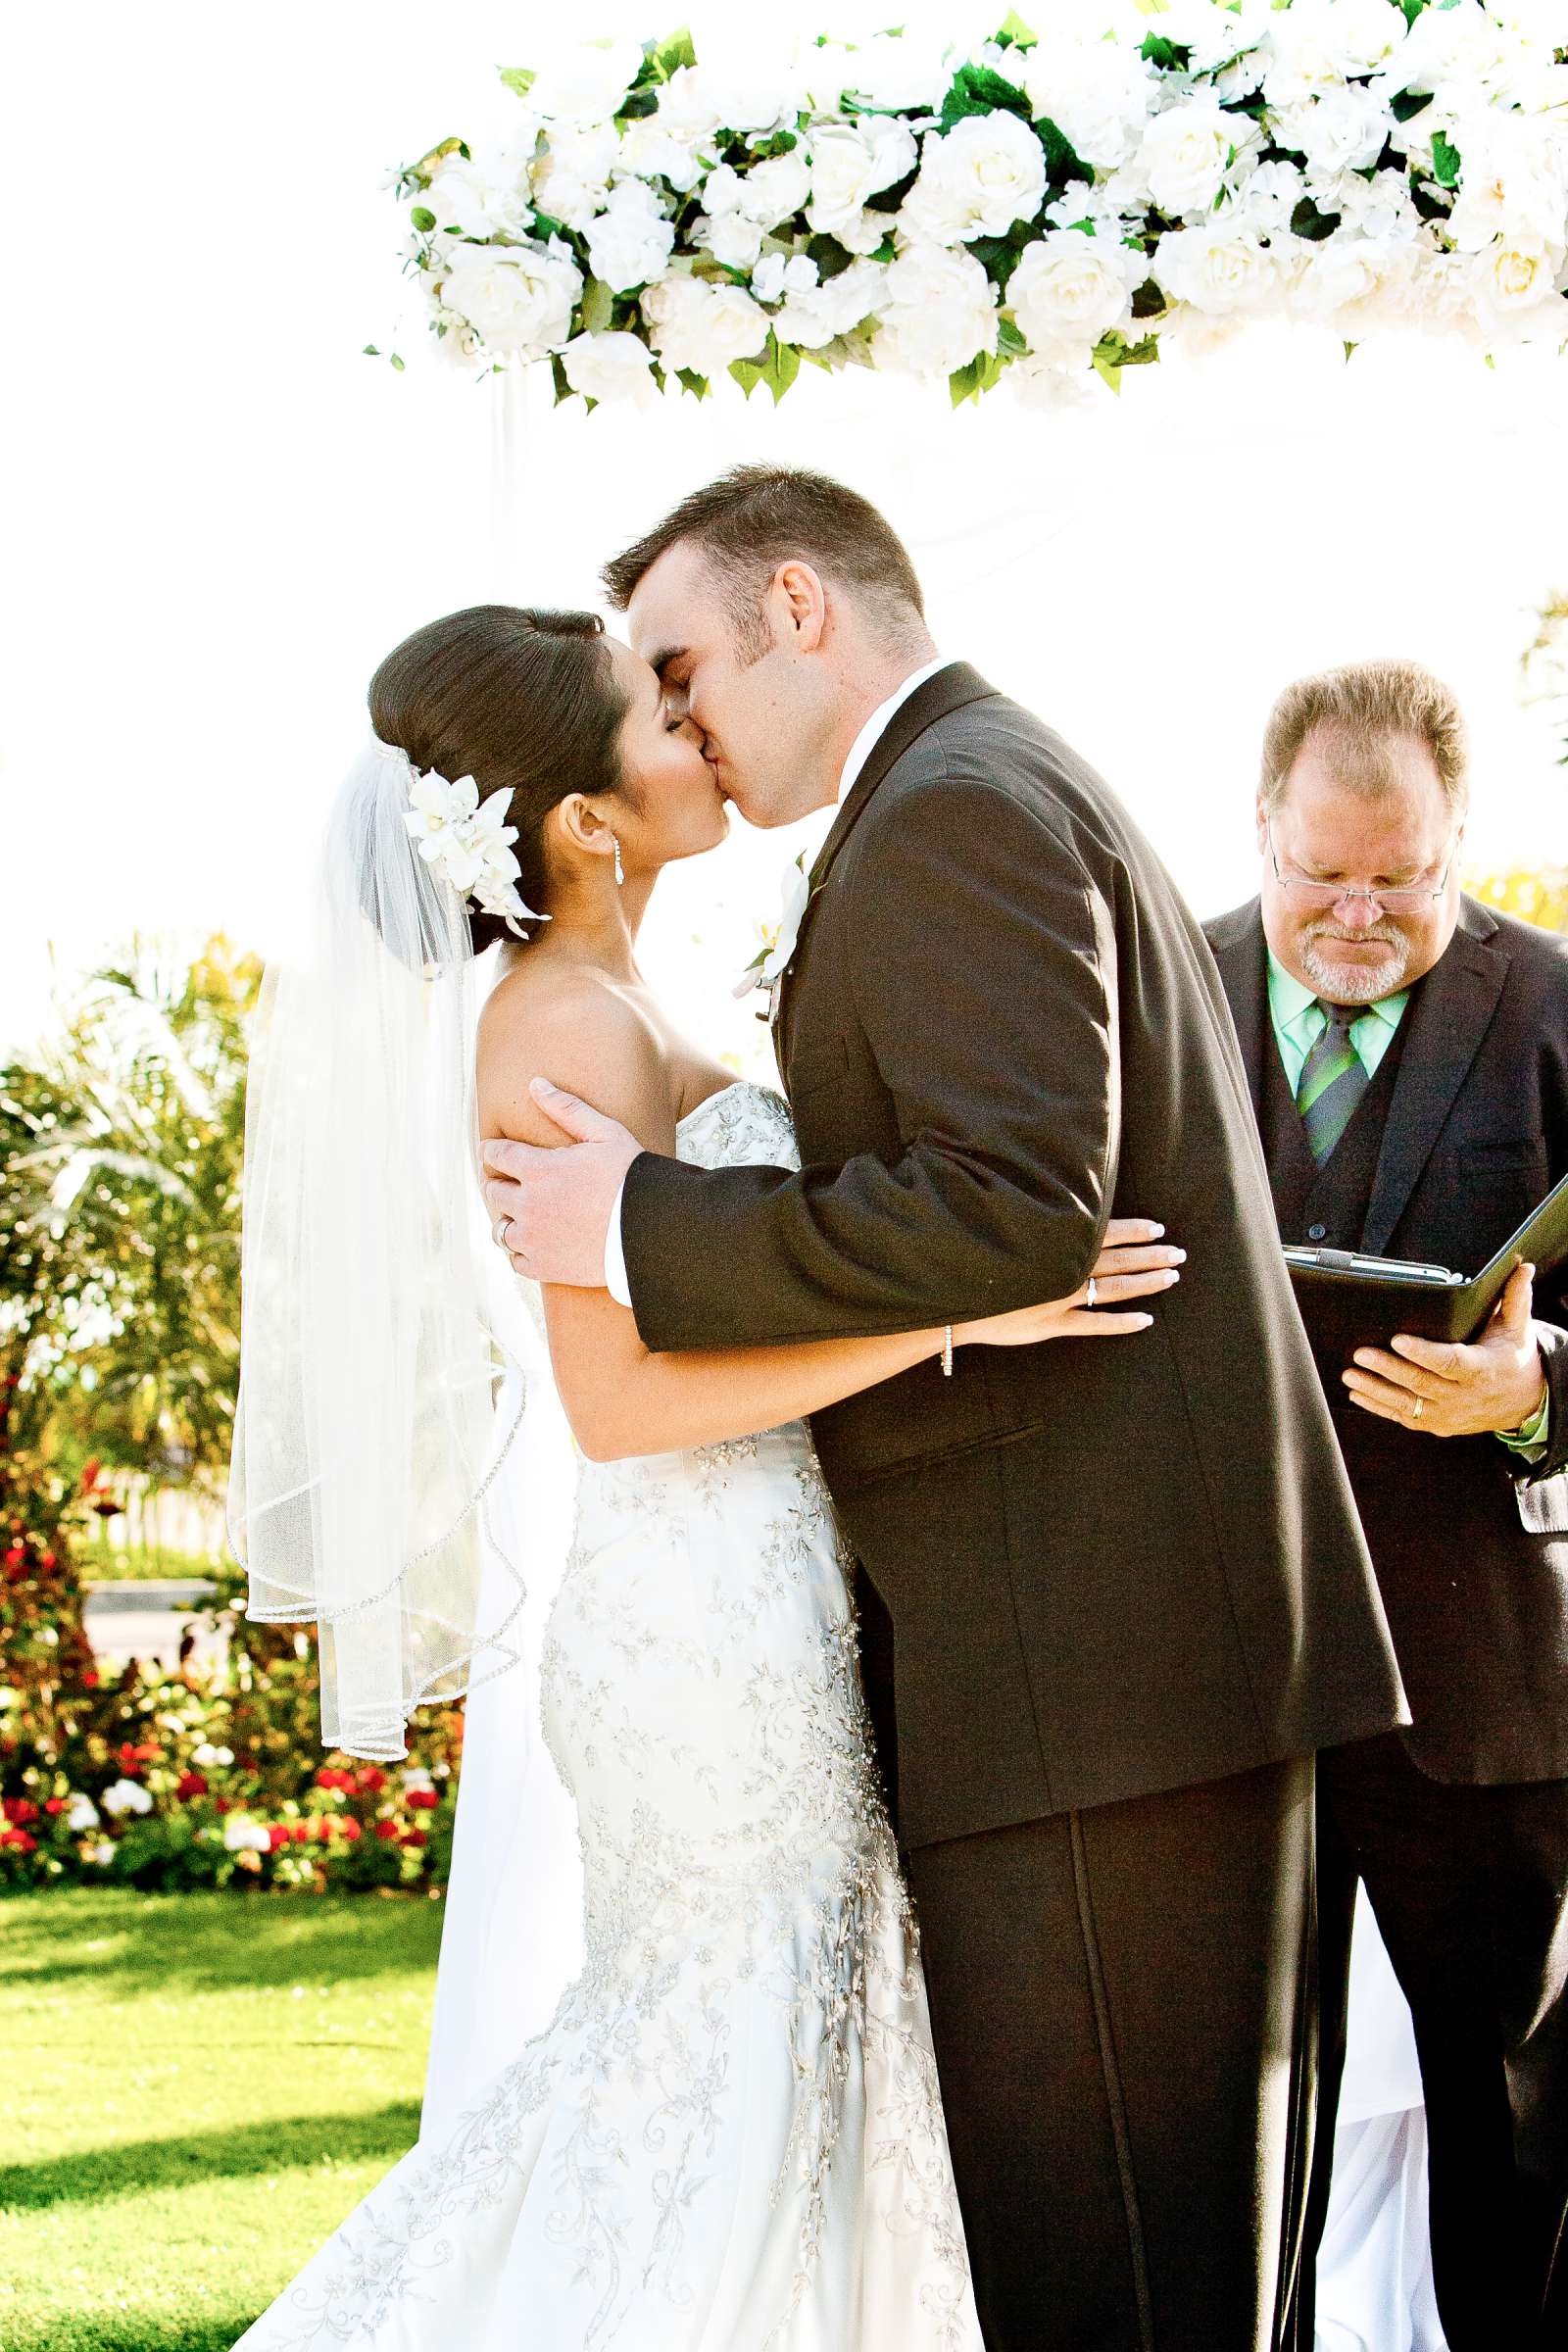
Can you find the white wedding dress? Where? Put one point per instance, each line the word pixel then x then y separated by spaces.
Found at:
pixel 730 2138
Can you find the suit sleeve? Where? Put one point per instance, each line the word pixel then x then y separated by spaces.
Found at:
pixel 985 986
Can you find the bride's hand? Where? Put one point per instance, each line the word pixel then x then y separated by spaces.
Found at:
pixel 1133 1263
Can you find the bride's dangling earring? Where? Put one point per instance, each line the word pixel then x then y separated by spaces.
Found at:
pixel 620 870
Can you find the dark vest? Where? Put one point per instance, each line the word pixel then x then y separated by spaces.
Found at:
pixel 1327 1205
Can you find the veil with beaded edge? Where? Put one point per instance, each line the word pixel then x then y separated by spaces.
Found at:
pixel 376 1318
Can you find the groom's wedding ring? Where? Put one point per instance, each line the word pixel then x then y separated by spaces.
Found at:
pixel 499 1231
pixel 1090 1300
pixel 1418 1408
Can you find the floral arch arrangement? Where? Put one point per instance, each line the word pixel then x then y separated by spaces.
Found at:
pixel 1040 208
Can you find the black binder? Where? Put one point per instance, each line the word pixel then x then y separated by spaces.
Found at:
pixel 1349 1302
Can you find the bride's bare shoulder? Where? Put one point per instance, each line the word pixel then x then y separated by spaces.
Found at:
pixel 576 1028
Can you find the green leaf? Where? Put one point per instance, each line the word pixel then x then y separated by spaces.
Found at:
pixel 1408 104
pixel 1350 350
pixel 690 381
pixel 1412 9
pixel 396 362
pixel 424 219
pixel 979 91
pixel 545 226
pixel 777 368
pixel 520 79
pixel 1170 57
pixel 598 307
pixel 779 144
pixel 559 378
pixel 888 200
pixel 1149 299
pixel 1016 33
pixel 1011 338
pixel 967 383
pixel 1112 353
pixel 1445 161
pixel 637 105
pixel 673 52
pixel 1309 223
pixel 373 351
pixel 1063 162
pixel 831 258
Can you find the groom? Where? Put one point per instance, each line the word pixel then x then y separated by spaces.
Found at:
pixel 1124 1585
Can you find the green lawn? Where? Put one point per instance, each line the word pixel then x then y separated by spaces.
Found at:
pixel 196 2088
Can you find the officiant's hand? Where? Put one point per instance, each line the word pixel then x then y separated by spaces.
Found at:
pixel 1446 1391
pixel 551 1210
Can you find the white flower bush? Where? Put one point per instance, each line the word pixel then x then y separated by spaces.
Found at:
pixel 126 1796
pixel 1052 209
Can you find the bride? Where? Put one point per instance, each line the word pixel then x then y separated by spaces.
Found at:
pixel 730 2134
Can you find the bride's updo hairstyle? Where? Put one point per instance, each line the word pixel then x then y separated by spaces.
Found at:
pixel 516 698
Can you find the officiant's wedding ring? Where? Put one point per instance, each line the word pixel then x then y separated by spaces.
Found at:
pixel 1090 1300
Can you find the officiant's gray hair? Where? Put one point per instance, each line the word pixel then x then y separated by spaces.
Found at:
pixel 1355 710
pixel 756 517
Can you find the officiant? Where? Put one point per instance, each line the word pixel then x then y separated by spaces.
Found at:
pixel 1408 1050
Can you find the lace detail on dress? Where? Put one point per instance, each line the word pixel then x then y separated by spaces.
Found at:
pixel 730 2138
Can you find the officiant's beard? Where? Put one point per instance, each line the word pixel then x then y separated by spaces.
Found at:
pixel 1354 983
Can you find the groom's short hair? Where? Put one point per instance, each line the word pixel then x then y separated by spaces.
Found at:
pixel 756 517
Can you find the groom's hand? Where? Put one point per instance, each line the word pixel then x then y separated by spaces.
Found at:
pixel 549 1210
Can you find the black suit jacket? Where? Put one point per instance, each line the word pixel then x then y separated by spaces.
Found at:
pixel 1112 1567
pixel 1471 1546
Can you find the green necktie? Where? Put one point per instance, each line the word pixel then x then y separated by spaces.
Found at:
pixel 1333 1081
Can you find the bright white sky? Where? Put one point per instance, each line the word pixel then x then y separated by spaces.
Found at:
pixel 221 515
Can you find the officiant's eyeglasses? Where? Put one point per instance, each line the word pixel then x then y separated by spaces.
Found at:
pixel 1405 898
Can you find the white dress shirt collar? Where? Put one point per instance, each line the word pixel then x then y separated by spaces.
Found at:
pixel 880 719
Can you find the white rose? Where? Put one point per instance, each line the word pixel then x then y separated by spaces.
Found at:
pixel 1379 208
pixel 103 1853
pixel 1341 272
pixel 834 308
pixel 1343 130
pixel 1270 196
pixel 1063 382
pixel 863 232
pixel 243 1836
pixel 852 161
pixel 1097 94
pixel 474 203
pixel 685 108
pixel 901 73
pixel 741 93
pixel 81 1813
pixel 1186 153
pixel 779 273
pixel 1071 288
pixel 776 189
pixel 610 367
pixel 586 85
pixel 1509 280
pixel 629 242
pixel 518 297
pixel 126 1796
pixel 649 151
pixel 1513 183
pixel 975 180
pixel 1219 268
pixel 703 326
pixel 730 238
pixel 572 179
pixel 938 313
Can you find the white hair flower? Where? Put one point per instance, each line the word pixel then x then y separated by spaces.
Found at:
pixel 467 843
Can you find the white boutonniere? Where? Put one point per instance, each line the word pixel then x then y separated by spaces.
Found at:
pixel 767 966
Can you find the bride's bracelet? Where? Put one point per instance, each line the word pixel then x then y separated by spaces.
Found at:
pixel 947 1352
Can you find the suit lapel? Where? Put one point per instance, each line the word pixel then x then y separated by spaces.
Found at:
pixel 1449 1013
pixel 948 691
